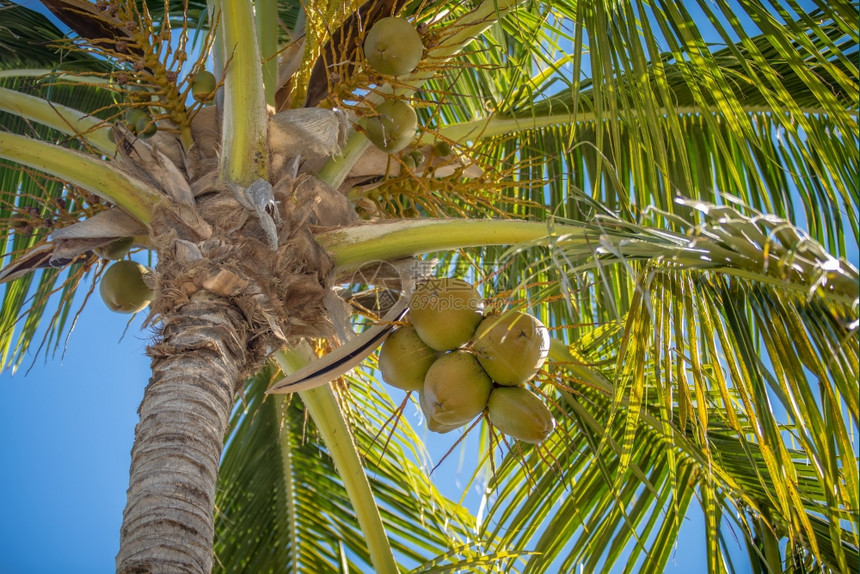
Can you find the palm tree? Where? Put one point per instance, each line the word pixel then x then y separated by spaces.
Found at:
pixel 673 191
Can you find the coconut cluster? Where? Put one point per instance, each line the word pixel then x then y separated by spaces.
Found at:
pixel 463 361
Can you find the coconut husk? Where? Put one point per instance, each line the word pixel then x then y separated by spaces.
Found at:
pixel 319 130
pixel 321 205
pixel 108 225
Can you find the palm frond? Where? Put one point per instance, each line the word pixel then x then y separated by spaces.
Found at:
pixel 768 113
pixel 33 205
pixel 629 457
pixel 711 383
pixel 30 40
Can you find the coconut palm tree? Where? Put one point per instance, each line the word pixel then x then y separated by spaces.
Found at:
pixel 671 190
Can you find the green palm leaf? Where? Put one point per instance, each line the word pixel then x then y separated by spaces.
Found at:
pixel 685 121
pixel 32 204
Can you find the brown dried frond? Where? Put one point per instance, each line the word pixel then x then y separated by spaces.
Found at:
pixel 95 24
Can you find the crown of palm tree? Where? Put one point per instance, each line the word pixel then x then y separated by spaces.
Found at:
pixel 671 190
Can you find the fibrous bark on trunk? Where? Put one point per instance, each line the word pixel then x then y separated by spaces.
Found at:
pixel 167 524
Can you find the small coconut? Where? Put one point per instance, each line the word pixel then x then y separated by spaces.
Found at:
pixel 511 346
pixel 203 86
pixel 443 148
pixel 404 359
pixel 115 249
pixel 456 388
pixel 122 287
pixel 413 159
pixel 140 123
pixel 393 46
pixel 520 414
pixel 393 127
pixel 445 312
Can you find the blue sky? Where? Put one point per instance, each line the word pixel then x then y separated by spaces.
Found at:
pixel 66 431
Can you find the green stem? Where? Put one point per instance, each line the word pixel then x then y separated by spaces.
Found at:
pixel 499 125
pixel 358 245
pixel 62 118
pixel 86 171
pixel 244 156
pixel 355 246
pixel 266 18
pixel 335 170
pixel 328 417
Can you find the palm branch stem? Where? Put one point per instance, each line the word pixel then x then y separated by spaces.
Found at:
pixel 325 410
pixel 86 171
pixel 244 133
pixel 266 20
pixel 355 246
pixel 62 118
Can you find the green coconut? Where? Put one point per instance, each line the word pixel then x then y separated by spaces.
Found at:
pixel 122 287
pixel 443 148
pixel 393 127
pixel 456 388
pixel 511 347
pixel 203 86
pixel 115 249
pixel 445 312
pixel 520 414
pixel 140 123
pixel 393 46
pixel 404 359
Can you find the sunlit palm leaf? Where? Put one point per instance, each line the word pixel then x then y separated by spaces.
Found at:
pixel 685 121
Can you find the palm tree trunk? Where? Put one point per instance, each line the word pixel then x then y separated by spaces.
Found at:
pixel 197 366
